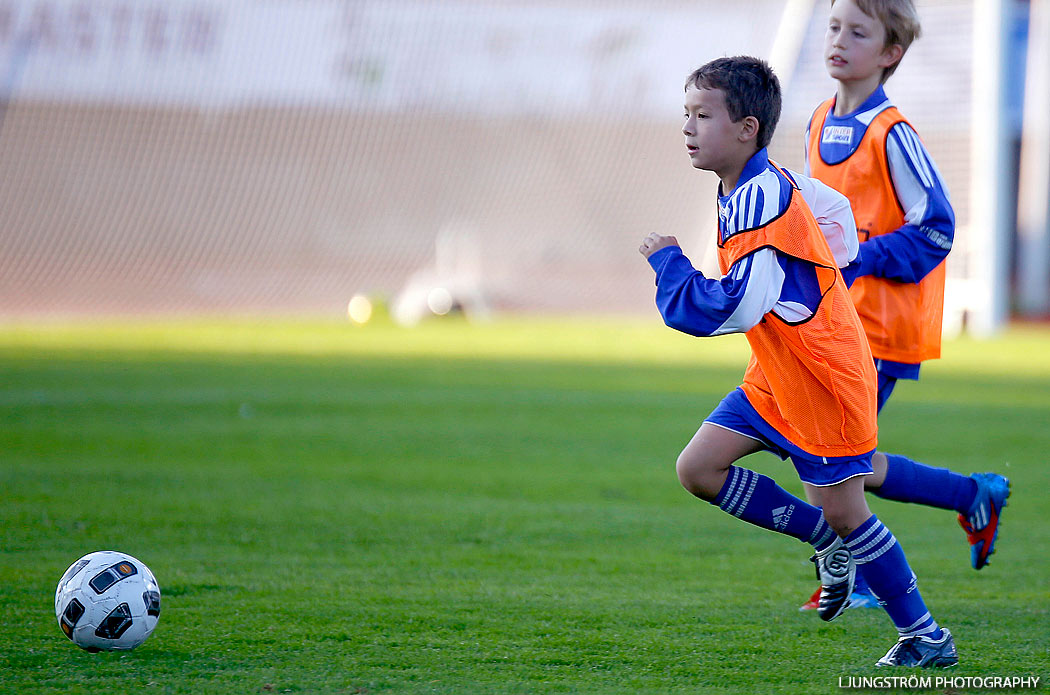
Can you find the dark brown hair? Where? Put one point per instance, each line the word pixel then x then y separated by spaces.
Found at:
pixel 750 86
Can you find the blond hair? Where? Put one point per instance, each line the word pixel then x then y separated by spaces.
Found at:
pixel 900 20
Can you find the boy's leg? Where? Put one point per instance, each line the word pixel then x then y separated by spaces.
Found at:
pixel 862 595
pixel 705 468
pixel 901 479
pixel 922 641
pixel 978 498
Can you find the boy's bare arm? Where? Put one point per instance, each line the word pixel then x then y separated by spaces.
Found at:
pixel 654 242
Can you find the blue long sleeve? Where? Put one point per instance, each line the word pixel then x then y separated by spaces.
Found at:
pixel 690 302
pixel 851 271
pixel 763 281
pixel 906 255
pixel 923 242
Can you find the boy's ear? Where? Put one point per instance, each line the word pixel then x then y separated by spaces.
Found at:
pixel 891 55
pixel 749 127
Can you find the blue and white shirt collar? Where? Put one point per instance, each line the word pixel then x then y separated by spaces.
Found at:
pixel 758 163
pixel 761 194
pixel 840 136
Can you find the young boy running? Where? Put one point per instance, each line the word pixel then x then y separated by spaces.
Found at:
pixel 860 145
pixel 809 390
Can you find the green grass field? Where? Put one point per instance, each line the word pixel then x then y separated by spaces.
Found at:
pixel 470 509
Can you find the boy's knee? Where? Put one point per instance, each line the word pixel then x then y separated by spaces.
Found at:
pixel 697 476
pixel 839 522
pixel 845 508
pixel 686 475
pixel 844 521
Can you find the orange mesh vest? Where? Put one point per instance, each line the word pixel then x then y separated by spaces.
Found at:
pixel 901 319
pixel 814 382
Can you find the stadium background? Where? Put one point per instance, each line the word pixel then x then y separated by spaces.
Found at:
pixel 278 157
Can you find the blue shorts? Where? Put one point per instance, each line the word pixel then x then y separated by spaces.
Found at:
pixel 886 384
pixel 889 373
pixel 735 413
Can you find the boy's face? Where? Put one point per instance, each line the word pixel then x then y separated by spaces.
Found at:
pixel 854 44
pixel 711 138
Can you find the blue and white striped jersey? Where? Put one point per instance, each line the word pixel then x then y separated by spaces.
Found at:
pixel 923 242
pixel 765 280
pixel 925 239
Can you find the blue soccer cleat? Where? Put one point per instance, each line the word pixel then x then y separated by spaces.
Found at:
pixel 981 521
pixel 863 598
pixel 922 652
pixel 860 598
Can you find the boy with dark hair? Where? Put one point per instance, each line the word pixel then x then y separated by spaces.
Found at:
pixel 860 145
pixel 809 389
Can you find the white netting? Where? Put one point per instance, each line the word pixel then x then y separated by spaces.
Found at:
pixel 242 156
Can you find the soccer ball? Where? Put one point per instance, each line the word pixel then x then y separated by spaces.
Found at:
pixel 107 600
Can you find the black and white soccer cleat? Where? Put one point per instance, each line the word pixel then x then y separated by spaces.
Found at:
pixel 837 573
pixel 922 652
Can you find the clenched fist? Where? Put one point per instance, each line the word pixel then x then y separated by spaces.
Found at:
pixel 654 242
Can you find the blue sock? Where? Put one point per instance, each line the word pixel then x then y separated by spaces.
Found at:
pixel 758 500
pixel 860 586
pixel 910 481
pixel 891 579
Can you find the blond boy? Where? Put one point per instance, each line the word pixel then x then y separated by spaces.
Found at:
pixel 859 144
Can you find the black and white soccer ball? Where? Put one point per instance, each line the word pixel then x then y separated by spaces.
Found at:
pixel 107 600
